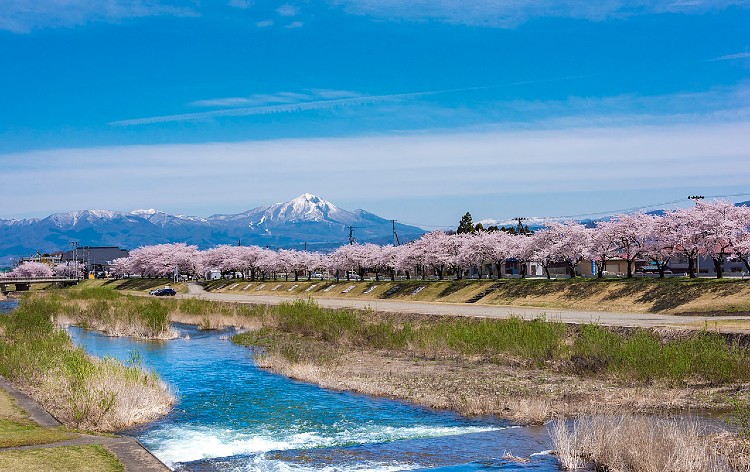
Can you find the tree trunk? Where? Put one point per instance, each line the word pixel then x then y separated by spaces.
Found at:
pixel 546 271
pixel 630 268
pixel 337 275
pixel 523 270
pixel 572 268
pixel 691 267
pixel 499 268
pixel 746 262
pixel 719 266
pixel 600 268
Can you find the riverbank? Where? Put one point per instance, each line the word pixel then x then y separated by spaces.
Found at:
pixel 525 371
pixel 31 439
pixel 80 391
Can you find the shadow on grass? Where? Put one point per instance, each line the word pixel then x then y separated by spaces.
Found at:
pixel 136 284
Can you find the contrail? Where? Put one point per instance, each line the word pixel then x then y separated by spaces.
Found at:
pixel 321 104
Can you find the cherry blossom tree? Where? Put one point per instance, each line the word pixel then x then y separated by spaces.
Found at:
pixel 630 232
pixel 658 242
pixel 602 245
pixel 32 269
pixel 68 269
pixel 721 225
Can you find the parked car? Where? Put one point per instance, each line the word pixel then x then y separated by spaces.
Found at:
pixel 163 292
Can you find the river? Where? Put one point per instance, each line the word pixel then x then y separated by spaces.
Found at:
pixel 232 415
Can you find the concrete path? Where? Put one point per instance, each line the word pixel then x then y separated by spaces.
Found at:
pixel 133 456
pixel 608 318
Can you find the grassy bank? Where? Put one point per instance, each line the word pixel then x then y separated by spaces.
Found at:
pixel 17 429
pixel 81 391
pixel 637 356
pixel 91 458
pixel 642 295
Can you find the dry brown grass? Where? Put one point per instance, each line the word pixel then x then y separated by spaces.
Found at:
pixel 521 394
pixel 216 320
pixel 637 443
pixel 108 398
pixel 117 327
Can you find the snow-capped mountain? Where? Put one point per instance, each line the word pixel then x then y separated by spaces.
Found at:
pixel 305 208
pixel 307 220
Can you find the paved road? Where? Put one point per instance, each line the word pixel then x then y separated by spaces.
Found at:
pixel 644 320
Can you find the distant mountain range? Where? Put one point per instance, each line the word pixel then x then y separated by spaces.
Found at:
pixel 305 219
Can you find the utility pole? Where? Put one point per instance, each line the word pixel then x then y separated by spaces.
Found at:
pixel 74 251
pixel 351 234
pixel 396 242
pixel 519 228
pixel 696 199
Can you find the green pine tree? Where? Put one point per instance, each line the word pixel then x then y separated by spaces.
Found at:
pixel 466 225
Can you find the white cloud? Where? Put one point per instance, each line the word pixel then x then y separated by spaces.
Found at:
pixel 295 24
pixel 264 23
pixel 731 57
pixel 241 4
pixel 23 16
pixel 287 10
pixel 634 160
pixel 510 13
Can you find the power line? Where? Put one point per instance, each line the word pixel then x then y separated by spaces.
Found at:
pixel 593 214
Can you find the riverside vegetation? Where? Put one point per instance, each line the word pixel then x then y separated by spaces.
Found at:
pixel 81 391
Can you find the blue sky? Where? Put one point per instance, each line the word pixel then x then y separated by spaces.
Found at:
pixel 416 110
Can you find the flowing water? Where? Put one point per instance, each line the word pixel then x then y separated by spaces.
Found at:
pixel 233 416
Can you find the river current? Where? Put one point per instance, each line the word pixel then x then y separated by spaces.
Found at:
pixel 232 415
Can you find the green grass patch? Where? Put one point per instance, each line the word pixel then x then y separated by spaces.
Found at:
pixel 639 355
pixel 13 434
pixel 91 458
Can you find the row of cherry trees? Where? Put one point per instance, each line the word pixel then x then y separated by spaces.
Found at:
pixel 40 269
pixel 718 230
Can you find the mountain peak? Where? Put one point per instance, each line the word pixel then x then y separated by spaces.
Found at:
pixel 306 207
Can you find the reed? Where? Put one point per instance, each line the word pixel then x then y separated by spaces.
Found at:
pixel 638 444
pixel 83 392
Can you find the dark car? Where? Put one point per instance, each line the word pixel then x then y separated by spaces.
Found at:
pixel 163 292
